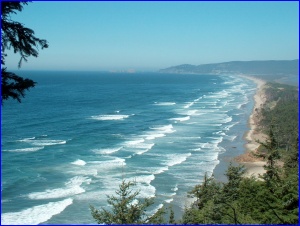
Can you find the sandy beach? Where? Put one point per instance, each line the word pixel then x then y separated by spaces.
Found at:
pixel 254 165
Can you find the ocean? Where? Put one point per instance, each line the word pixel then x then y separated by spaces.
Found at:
pixel 77 135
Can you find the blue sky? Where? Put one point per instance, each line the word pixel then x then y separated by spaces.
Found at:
pixel 155 35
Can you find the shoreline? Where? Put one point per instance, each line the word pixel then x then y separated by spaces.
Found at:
pixel 253 165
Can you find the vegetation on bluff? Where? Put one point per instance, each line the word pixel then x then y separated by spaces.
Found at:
pixel 270 199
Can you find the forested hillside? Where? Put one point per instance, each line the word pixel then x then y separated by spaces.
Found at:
pixel 271 199
pixel 282 71
pixel 281 111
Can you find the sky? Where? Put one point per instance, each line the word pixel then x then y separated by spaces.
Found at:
pixel 148 36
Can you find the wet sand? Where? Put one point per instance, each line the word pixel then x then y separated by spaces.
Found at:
pixel 253 165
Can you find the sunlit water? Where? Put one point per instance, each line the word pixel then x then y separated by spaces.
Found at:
pixel 76 135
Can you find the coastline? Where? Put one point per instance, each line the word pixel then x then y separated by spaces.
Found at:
pixel 253 165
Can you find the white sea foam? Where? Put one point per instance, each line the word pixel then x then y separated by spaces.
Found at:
pixel 146 191
pixel 169 194
pixel 189 105
pixel 216 140
pixel 134 202
pixel 143 179
pixel 26 139
pixel 138 145
pixel 164 129
pixel 84 171
pixel 143 185
pixel 43 142
pixel 181 119
pixel 25 149
pixel 242 104
pixel 211 146
pixel 220 94
pixel 108 164
pixel 107 150
pixel 152 212
pixel 148 147
pixel 175 188
pixel 154 136
pixel 220 133
pixel 35 215
pixel 168 200
pixel 109 117
pixel 191 112
pixel 161 170
pixel 164 103
pixel 175 159
pixel 159 131
pixel 229 126
pixel 222 150
pixel 133 142
pixel 228 119
pixel 231 138
pixel 79 162
pixel 196 100
pixel 72 187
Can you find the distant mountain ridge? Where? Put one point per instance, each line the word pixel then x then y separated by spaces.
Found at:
pixel 283 71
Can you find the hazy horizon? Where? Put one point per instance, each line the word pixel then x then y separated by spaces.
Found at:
pixel 148 36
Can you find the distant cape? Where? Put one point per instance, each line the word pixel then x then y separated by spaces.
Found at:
pixel 283 71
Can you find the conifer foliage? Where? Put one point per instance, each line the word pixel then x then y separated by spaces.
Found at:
pixel 272 199
pixel 127 208
pixel 21 40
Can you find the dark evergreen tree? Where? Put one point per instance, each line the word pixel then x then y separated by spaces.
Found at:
pixel 205 191
pixel 271 154
pixel 127 208
pixel 234 176
pixel 172 216
pixel 16 36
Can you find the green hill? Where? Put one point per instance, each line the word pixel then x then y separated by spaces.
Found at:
pixel 282 71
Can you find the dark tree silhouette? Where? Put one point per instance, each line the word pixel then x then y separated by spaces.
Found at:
pixel 16 36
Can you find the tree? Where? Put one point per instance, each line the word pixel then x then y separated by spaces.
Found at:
pixel 172 216
pixel 272 155
pixel 217 203
pixel 127 209
pixel 22 40
pixel 205 191
pixel 234 175
pixel 203 209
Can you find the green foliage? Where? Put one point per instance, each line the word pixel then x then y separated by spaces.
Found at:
pixel 127 208
pixel 241 200
pixel 291 159
pixel 21 39
pixel 283 116
pixel 216 202
pixel 14 86
pixel 172 217
pixel 205 191
pixel 234 175
pixel 271 155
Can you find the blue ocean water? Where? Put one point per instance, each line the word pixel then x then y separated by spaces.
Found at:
pixel 76 135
